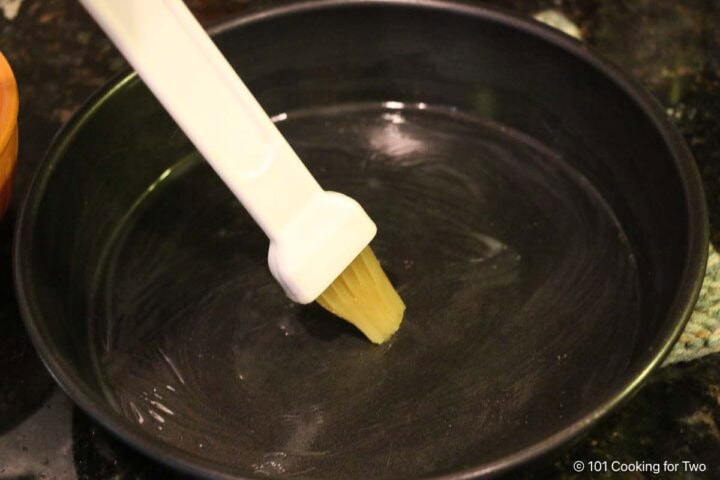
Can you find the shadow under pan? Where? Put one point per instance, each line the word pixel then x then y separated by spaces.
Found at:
pixel 547 254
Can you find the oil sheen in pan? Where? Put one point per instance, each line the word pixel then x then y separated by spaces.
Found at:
pixel 502 253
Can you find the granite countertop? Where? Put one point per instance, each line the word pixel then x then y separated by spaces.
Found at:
pixel 60 58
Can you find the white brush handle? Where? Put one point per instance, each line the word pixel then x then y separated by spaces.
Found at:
pixel 184 69
pixel 314 234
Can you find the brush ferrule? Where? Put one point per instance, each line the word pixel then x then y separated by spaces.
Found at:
pixel 322 239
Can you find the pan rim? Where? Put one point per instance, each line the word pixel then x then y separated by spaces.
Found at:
pixel 680 309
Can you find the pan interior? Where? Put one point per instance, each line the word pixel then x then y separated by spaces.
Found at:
pixel 521 287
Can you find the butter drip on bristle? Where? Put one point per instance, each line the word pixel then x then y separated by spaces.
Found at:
pixel 364 296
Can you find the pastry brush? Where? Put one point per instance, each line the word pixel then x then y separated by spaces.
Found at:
pixel 319 240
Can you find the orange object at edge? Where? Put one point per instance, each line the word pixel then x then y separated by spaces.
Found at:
pixel 8 131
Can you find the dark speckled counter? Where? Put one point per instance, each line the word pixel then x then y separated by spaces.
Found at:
pixel 60 58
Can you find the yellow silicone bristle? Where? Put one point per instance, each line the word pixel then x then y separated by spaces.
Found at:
pixel 364 296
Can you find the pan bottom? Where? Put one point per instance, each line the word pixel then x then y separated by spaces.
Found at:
pixel 505 256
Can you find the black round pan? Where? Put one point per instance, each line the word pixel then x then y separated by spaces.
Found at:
pixel 542 219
